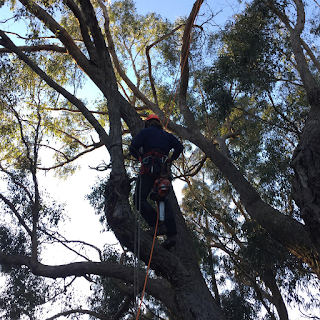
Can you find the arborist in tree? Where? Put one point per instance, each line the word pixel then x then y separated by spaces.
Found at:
pixel 152 146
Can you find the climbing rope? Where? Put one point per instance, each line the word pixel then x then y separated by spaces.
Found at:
pixel 137 232
pixel 149 263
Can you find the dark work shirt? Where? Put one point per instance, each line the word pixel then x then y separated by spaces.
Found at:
pixel 152 138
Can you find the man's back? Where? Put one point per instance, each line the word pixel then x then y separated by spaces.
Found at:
pixel 152 138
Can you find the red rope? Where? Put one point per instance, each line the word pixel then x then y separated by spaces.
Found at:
pixel 146 278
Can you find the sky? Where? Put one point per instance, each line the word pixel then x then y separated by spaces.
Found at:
pixel 166 8
pixel 172 9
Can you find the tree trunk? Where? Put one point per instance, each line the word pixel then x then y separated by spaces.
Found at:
pixel 306 160
pixel 306 183
pixel 192 298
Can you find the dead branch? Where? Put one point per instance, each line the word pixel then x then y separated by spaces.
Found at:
pixel 98 145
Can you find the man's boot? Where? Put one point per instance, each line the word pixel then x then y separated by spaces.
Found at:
pixel 170 241
pixel 161 229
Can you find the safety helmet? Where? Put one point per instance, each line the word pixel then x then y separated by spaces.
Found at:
pixel 152 116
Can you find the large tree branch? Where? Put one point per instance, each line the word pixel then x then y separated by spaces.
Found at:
pixel 101 52
pixel 292 234
pixel 79 311
pixel 307 78
pixel 44 47
pixel 104 113
pixel 186 42
pixel 311 54
pixel 102 73
pixel 6 42
pixel 108 85
pixel 184 80
pixel 83 28
pixel 58 30
pixel 159 288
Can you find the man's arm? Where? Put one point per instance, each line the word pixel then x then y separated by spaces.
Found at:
pixel 134 152
pixel 177 147
pixel 136 144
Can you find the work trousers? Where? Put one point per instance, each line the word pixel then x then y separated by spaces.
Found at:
pixel 143 188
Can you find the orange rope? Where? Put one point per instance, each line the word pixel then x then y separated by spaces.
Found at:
pixel 146 278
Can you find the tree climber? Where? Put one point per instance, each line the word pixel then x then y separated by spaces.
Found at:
pixel 152 146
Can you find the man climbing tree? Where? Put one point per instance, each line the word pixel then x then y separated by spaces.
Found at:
pixel 155 145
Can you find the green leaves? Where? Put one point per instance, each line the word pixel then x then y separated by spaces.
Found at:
pixel 249 54
pixel 12 242
pixel 23 293
pixel 134 35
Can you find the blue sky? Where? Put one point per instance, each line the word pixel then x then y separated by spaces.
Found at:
pixel 170 9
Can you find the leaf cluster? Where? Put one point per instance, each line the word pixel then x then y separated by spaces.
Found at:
pixel 22 295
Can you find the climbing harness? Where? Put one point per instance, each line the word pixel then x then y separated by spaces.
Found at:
pixel 152 163
pixel 159 193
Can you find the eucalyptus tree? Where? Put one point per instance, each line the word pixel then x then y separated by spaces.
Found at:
pixel 106 44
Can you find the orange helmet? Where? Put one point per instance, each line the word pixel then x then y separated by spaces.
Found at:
pixel 152 116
